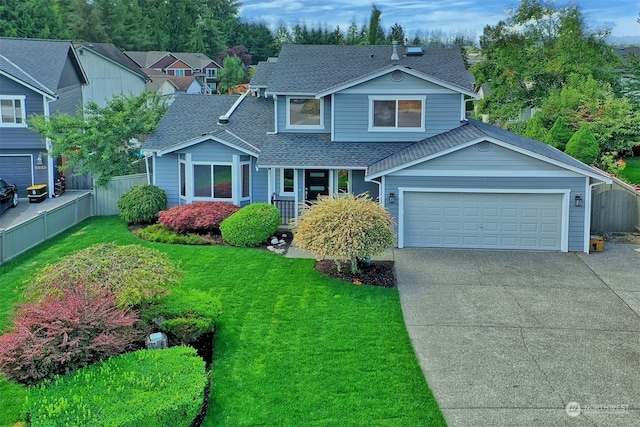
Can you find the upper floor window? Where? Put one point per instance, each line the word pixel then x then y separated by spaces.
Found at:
pixel 12 110
pixel 212 73
pixel 396 113
pixel 179 72
pixel 305 112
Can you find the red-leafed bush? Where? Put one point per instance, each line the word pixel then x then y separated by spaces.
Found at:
pixel 60 335
pixel 199 217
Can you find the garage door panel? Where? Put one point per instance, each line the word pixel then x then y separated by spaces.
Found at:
pixel 481 220
pixel 17 170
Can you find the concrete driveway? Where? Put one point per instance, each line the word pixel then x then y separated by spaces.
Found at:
pixel 513 338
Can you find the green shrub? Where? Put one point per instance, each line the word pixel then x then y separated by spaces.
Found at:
pixel 143 388
pixel 133 273
pixel 344 226
pixel 163 234
pixel 583 146
pixel 142 203
pixel 186 315
pixel 559 134
pixel 251 225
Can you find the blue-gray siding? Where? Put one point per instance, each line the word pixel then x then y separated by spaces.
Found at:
pixel 576 185
pixel 351 113
pixel 359 185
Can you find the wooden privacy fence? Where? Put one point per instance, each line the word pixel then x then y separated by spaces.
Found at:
pixel 106 199
pixel 615 207
pixel 23 236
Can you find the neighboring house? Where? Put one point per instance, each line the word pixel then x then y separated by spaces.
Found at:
pixel 36 77
pixel 392 121
pixel 181 64
pixel 161 84
pixel 110 73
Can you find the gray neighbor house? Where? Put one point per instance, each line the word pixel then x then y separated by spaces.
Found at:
pixel 386 120
pixel 36 77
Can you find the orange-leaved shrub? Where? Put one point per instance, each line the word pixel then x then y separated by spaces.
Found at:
pixel 344 226
pixel 197 217
pixel 61 334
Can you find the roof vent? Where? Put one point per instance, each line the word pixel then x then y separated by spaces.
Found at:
pixel 223 120
pixel 414 51
pixel 394 56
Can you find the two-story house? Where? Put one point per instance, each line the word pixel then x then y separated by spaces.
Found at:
pixel 110 73
pixel 385 120
pixel 36 77
pixel 180 64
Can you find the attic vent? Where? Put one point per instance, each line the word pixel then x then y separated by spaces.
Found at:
pixel 223 120
pixel 397 75
pixel 483 146
pixel 414 51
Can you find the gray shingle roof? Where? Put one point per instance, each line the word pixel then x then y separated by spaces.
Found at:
pixel 471 131
pixel 192 116
pixel 317 150
pixel 310 69
pixel 42 60
pixel 261 77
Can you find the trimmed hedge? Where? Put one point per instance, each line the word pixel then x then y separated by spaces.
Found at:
pixel 133 273
pixel 185 316
pixel 251 225
pixel 198 217
pixel 144 388
pixel 142 203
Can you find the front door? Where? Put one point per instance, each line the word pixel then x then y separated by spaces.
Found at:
pixel 316 181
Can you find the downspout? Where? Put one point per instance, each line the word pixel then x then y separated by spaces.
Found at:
pixel 49 146
pixel 146 163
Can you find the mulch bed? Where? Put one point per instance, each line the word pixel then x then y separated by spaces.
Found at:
pixel 378 273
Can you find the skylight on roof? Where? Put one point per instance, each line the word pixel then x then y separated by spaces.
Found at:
pixel 414 51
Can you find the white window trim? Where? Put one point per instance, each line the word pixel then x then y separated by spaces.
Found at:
pixel 281 189
pixel 22 99
pixel 307 127
pixel 195 198
pixel 396 98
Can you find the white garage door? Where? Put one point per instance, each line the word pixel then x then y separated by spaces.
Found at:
pixel 483 220
pixel 17 170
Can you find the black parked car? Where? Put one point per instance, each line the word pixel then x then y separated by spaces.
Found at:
pixel 8 196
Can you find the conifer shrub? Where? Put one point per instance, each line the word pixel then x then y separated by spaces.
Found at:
pixel 559 134
pixel 344 227
pixel 151 388
pixel 61 334
pixel 198 217
pixel 184 316
pixel 133 273
pixel 142 203
pixel 251 225
pixel 583 146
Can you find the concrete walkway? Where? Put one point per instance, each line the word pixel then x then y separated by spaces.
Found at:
pixel 512 338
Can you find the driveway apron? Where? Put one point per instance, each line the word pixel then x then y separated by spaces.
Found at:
pixel 526 338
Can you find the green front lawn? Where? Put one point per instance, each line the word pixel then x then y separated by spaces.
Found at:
pixel 292 347
pixel 631 172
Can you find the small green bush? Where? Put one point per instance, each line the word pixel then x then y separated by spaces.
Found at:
pixel 133 273
pixel 163 234
pixel 583 146
pixel 142 203
pixel 185 315
pixel 559 134
pixel 251 225
pixel 144 388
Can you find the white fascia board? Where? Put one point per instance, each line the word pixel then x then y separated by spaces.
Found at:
pixel 404 69
pixel 191 142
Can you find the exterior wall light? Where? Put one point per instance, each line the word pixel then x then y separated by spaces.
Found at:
pixel 392 198
pixel 578 201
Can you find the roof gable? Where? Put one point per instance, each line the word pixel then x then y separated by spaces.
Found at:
pixel 316 69
pixel 111 53
pixel 473 132
pixel 39 63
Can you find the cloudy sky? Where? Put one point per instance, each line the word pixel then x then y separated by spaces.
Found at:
pixel 420 17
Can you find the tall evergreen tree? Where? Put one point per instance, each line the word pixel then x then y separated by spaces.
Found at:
pixel 375 30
